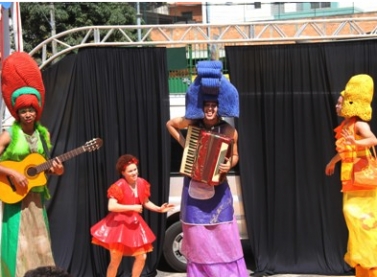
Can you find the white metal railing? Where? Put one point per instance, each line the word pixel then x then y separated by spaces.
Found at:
pixel 261 32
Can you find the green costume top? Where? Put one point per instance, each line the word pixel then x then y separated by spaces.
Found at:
pixel 19 147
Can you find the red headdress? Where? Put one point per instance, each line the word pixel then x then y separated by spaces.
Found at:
pixel 22 84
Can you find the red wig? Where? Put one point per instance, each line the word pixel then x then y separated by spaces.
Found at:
pixel 22 84
pixel 124 161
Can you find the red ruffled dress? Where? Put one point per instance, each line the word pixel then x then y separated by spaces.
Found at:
pixel 126 232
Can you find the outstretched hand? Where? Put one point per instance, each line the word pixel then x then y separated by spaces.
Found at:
pixel 166 207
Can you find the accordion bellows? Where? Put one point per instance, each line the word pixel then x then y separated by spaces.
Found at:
pixel 21 71
pixel 203 152
pixel 211 85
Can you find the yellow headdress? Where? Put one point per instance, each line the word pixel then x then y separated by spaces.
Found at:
pixel 357 97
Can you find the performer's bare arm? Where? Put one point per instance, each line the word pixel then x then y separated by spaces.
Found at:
pixel 233 160
pixel 159 209
pixel 174 126
pixel 362 129
pixel 235 150
pixel 17 177
pixel 114 206
pixel 330 167
pixel 4 141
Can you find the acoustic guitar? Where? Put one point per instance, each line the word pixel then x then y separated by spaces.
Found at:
pixel 34 167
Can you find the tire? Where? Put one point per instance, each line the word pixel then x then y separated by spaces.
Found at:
pixel 172 247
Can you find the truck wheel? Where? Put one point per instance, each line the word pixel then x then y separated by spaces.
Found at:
pixel 172 247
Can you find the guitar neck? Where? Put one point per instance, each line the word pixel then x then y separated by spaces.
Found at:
pixel 64 157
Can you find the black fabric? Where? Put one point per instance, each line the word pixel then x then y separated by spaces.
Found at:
pixel 121 96
pixel 287 116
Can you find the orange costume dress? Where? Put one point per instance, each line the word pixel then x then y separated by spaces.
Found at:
pixel 126 232
pixel 359 206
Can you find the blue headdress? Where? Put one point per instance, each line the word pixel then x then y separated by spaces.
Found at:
pixel 211 85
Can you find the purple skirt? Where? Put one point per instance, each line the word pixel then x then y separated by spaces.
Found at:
pixel 211 241
pixel 213 250
pixel 217 209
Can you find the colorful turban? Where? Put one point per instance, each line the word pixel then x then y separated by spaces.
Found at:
pixel 211 85
pixel 22 84
pixel 357 97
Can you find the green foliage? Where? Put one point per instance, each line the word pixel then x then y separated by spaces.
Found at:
pixel 37 24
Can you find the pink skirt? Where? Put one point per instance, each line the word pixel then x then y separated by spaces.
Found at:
pixel 213 250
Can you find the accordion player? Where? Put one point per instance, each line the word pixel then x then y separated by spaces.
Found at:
pixel 204 151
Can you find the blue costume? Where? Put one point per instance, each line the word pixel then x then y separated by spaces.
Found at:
pixel 211 241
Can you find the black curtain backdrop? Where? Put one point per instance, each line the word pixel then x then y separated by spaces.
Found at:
pixel 287 116
pixel 121 96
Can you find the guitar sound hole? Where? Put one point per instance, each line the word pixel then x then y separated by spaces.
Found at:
pixel 32 171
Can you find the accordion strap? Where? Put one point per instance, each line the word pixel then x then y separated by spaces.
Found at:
pixel 231 154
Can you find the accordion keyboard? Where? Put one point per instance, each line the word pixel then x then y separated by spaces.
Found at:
pixel 190 150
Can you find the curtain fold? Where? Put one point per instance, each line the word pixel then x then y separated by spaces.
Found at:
pixel 121 96
pixel 287 116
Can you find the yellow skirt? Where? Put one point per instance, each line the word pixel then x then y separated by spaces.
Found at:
pixel 360 213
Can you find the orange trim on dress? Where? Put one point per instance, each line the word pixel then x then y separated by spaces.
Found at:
pixel 350 154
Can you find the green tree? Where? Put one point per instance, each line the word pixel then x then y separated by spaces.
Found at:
pixel 38 26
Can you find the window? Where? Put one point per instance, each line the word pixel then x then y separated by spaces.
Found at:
pixel 300 7
pixel 187 15
pixel 320 5
pixel 278 8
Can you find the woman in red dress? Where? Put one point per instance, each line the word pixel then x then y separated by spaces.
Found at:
pixel 123 231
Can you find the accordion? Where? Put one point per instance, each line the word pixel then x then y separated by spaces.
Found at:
pixel 204 151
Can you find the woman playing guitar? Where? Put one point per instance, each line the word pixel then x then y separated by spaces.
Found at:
pixel 25 239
